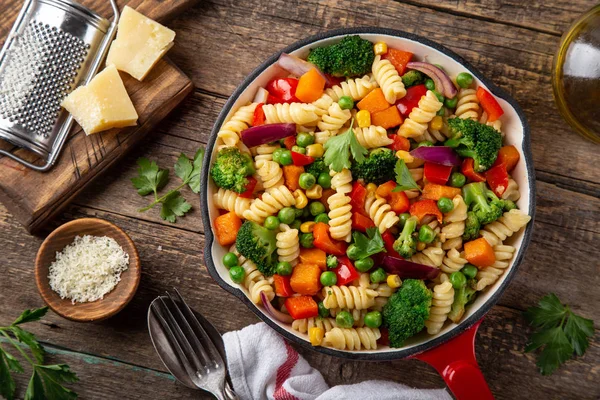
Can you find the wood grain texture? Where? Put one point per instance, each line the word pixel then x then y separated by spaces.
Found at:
pixel 115 300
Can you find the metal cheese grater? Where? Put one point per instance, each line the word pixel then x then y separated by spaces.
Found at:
pixel 53 47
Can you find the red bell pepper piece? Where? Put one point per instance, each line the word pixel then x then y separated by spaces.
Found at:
pixel 283 288
pixel 249 187
pixel 437 173
pixel 345 271
pixel 399 202
pixel 301 160
pixel 358 195
pixel 497 178
pixel 489 104
pixel 426 207
pixel 289 142
pixel 282 90
pixel 389 240
pixel 400 143
pixel 468 170
pixel 411 100
pixel 384 340
pixel 259 115
pixel 333 80
pixel 324 242
pixel 273 99
pixel 509 156
pixel 301 307
pixel 398 58
pixel 361 222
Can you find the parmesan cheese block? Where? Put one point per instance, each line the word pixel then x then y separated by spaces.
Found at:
pixel 140 43
pixel 102 104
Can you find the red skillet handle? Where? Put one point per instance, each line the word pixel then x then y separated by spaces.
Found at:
pixel 455 362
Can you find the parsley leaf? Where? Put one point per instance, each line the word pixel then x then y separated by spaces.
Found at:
pixel 559 333
pixel 173 206
pixel 404 178
pixel 31 316
pixel 367 246
pixel 151 178
pixel 53 376
pixel 29 339
pixel 338 149
pixel 194 181
pixel 7 383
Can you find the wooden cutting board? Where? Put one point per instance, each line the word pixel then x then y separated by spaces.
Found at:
pixel 36 197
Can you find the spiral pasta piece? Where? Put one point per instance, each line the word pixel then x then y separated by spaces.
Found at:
pixel 288 244
pixel 340 210
pixel 355 88
pixel 388 79
pixel 322 104
pixel 323 136
pixel 254 280
pixel 381 213
pixel 298 113
pixel 263 153
pixel 334 119
pixel 441 304
pixel 497 124
pixel 271 174
pixel 489 275
pixel 505 226
pixel 352 338
pixel 455 220
pixel 231 201
pixel 341 181
pixel 431 135
pixel 272 201
pixel 467 106
pixel 303 325
pixel 432 256
pixel 453 261
pixel 373 136
pixel 384 291
pixel 240 120
pixel 350 297
pixel 419 118
pixel 512 191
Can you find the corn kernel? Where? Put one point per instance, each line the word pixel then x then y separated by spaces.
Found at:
pixel 363 118
pixel 371 188
pixel 405 155
pixel 307 227
pixel 380 48
pixel 314 150
pixel 316 335
pixel 436 123
pixel 421 246
pixel 315 192
pixel 301 200
pixel 394 281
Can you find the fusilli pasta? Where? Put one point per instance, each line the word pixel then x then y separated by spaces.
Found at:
pixel 381 213
pixel 443 297
pixel 373 136
pixel 512 191
pixel 388 79
pixel 467 105
pixel 298 113
pixel 303 325
pixel 455 219
pixel 453 261
pixel 240 120
pixel 353 338
pixel 272 201
pixel 355 88
pixel 264 152
pixel 416 123
pixel 288 245
pixel 432 256
pixel 340 210
pixel 254 280
pixel 231 201
pixel 505 226
pixel 270 174
pixel 334 119
pixel 350 297
pixel 489 275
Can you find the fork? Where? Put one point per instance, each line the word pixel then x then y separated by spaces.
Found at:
pixel 198 354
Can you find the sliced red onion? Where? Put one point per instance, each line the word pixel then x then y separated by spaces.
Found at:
pixel 273 312
pixel 261 96
pixel 437 154
pixel 262 134
pixel 443 83
pixel 297 66
pixel 408 269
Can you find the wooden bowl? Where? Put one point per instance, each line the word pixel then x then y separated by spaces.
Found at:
pixel 112 302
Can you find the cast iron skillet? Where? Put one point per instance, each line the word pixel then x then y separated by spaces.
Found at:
pixel 451 352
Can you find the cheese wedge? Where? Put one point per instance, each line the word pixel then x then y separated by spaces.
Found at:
pixel 102 104
pixel 140 43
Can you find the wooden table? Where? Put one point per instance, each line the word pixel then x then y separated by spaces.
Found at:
pixel 218 43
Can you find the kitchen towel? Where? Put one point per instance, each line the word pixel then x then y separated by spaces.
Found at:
pixel 262 365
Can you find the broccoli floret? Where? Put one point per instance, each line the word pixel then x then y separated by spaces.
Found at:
pixel 413 78
pixel 352 56
pixel 508 205
pixel 332 261
pixel 377 167
pixel 483 202
pixel 472 226
pixel 406 311
pixel 231 169
pixel 475 140
pixel 317 167
pixel 406 244
pixel 462 297
pixel 259 245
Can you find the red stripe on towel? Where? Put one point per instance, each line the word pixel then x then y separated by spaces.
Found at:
pixel 283 373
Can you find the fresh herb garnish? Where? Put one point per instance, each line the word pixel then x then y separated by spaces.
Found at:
pixel 559 331
pixel 46 380
pixel 368 245
pixel 151 179
pixel 404 178
pixel 338 149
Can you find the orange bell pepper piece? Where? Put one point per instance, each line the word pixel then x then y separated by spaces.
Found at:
pixel 373 102
pixel 227 227
pixel 310 86
pixel 479 253
pixel 386 189
pixel 468 170
pixel 433 191
pixel 291 175
pixel 302 307
pixel 399 59
pixel 282 286
pixel 323 241
pixel 399 202
pixel 509 156
pixel 306 279
pixel 314 256
pixel 388 118
pixel 426 207
pixel 361 222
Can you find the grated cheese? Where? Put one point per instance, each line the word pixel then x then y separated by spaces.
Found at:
pixel 87 269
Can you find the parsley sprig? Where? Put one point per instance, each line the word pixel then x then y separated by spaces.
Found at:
pixel 404 178
pixel 151 179
pixel 368 245
pixel 46 380
pixel 338 149
pixel 559 332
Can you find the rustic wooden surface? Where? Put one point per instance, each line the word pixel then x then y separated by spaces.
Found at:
pixel 221 41
pixel 86 157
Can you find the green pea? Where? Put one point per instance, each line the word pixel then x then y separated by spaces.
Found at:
pixel 429 84
pixel 353 252
pixel 451 103
pixel 322 218
pixel 469 270
pixel 277 155
pixel 328 278
pixel 323 311
pixel 306 213
pixel 230 260
pixel 285 158
pixel 373 319
pixel 379 275
pixel 344 319
pixel 403 218
pixel 324 180
pixel 346 103
pixel 305 139
pixel 284 268
pixel 441 112
pixel 306 240
pixel 426 143
pixel 458 280
pixel 298 149
pixel 271 222
pixel 364 264
pixel 299 212
pixel 439 96
pixel 332 261
pixel 445 205
pixel 306 180
pixel 426 234
pixel 464 80
pixel 296 224
pixel 237 274
pixel 316 208
pixel 457 180
pixel 287 215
